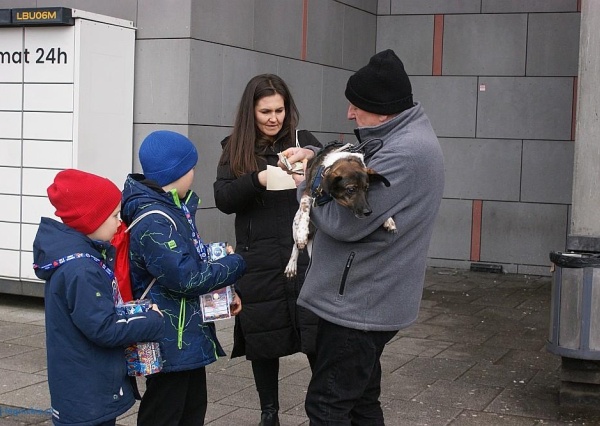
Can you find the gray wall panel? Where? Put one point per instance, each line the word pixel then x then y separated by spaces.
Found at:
pixel 553 44
pixel 281 36
pixel 406 7
pixel 239 66
pixel 208 142
pixel 366 5
pixel 525 108
pixel 305 81
pixel 215 226
pixel 484 44
pixel 505 6
pixel 522 233
pixel 411 37
pixel 547 171
pixel 384 7
pixel 532 270
pixel 335 104
pixel 124 9
pixel 451 237
pixel 206 83
pixel 325 34
pixel 8 4
pixel 450 103
pixel 358 46
pixel 162 78
pixel 228 22
pixel 482 168
pixel 161 19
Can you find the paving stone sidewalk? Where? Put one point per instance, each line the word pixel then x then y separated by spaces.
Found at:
pixel 476 356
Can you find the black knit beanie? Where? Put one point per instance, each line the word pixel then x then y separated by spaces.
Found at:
pixel 382 86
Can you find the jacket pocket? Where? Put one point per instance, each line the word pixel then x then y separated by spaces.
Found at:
pixel 342 287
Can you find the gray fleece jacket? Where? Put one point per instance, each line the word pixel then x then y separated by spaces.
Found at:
pixel 362 276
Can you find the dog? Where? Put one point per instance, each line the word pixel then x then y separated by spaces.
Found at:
pixel 334 174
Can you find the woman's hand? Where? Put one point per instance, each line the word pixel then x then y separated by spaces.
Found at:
pixel 295 155
pixel 299 178
pixel 236 304
pixel 262 178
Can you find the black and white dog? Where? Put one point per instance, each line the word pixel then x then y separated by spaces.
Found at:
pixel 339 174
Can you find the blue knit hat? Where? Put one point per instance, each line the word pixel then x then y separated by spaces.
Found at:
pixel 166 156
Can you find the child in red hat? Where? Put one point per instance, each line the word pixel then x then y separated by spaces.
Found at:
pixel 85 337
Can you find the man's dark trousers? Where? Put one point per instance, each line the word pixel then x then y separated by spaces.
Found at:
pixel 346 380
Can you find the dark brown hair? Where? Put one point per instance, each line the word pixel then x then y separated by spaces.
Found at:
pixel 240 149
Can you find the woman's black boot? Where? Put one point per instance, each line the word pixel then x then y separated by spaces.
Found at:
pixel 269 407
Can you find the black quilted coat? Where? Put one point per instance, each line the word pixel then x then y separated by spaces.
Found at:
pixel 270 325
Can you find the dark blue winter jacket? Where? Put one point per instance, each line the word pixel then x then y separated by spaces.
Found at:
pixel 159 250
pixel 85 338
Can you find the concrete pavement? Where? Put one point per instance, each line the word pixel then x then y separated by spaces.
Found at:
pixel 476 356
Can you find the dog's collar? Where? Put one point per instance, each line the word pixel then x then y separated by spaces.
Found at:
pixel 319 196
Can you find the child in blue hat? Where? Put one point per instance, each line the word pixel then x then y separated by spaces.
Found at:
pixel 167 247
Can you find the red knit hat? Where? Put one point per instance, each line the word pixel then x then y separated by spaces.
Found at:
pixel 83 200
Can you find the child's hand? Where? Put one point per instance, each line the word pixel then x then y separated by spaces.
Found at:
pixel 154 307
pixel 236 304
pixel 229 249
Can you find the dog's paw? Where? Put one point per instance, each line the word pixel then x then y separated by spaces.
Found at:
pixel 291 268
pixel 390 225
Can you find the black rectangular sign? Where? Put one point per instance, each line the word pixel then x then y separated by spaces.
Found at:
pixel 36 16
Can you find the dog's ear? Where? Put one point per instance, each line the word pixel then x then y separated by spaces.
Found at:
pixel 376 177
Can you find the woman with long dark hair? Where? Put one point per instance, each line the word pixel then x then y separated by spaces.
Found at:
pixel 271 325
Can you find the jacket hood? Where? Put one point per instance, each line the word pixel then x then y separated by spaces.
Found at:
pixel 140 192
pixel 55 240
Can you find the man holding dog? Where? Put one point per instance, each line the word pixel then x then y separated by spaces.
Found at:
pixel 365 283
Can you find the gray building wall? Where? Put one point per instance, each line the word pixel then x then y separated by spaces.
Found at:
pixel 496 77
pixel 498 81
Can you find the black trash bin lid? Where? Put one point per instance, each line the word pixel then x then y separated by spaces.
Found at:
pixel 575 259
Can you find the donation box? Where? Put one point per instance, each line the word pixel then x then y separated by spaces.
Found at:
pixel 66 101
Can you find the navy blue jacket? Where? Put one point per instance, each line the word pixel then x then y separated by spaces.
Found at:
pixel 85 338
pixel 158 250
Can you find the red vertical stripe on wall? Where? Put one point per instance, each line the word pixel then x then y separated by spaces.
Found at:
pixel 574 110
pixel 304 28
pixel 476 230
pixel 438 44
pixel 574 113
